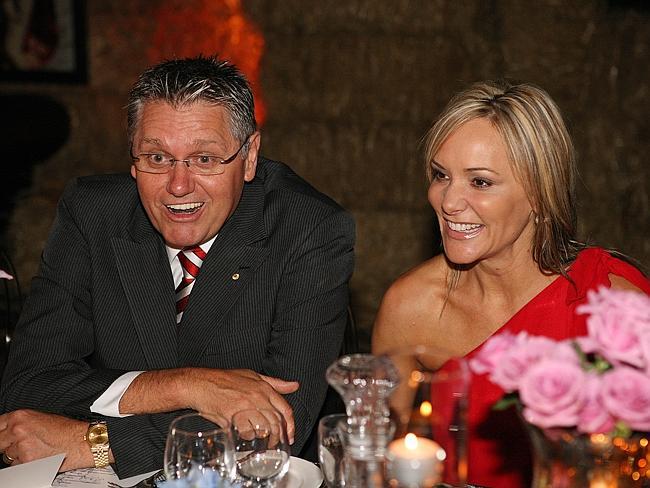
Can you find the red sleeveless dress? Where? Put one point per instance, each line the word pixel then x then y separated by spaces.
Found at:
pixel 499 455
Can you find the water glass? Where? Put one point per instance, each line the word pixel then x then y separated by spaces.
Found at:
pixel 199 444
pixel 330 449
pixel 262 449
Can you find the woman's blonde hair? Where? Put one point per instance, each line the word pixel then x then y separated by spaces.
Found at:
pixel 539 150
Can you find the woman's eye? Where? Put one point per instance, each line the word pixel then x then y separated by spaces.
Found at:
pixel 481 183
pixel 438 175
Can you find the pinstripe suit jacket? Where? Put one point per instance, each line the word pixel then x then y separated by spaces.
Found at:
pixel 103 303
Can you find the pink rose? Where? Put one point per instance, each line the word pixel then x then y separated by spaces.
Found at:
pixel 552 393
pixel 644 340
pixel 490 353
pixel 587 344
pixel 629 302
pixel 616 319
pixel 594 417
pixel 514 363
pixel 626 394
pixel 565 351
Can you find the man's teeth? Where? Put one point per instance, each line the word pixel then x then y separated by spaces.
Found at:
pixel 184 207
pixel 462 227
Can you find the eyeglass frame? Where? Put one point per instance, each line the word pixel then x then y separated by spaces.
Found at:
pixel 172 161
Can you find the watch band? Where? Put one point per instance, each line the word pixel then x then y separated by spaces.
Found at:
pixel 97 439
pixel 100 455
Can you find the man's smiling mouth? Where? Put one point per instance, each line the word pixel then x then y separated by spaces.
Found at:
pixel 184 208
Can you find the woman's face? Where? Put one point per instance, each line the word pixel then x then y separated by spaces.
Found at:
pixel 483 210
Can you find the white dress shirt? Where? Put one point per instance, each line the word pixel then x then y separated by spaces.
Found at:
pixel 108 404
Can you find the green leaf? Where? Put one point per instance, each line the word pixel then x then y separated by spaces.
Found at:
pixel 591 362
pixel 601 364
pixel 621 429
pixel 584 361
pixel 508 400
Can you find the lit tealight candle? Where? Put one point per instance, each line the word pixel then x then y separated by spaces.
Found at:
pixel 415 461
pixel 603 481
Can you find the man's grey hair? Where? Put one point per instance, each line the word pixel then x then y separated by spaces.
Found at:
pixel 181 82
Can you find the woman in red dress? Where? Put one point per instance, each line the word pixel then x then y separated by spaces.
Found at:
pixel 502 170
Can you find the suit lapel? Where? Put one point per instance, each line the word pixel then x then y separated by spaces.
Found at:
pixel 146 277
pixel 235 254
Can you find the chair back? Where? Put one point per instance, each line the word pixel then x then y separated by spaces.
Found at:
pixel 11 301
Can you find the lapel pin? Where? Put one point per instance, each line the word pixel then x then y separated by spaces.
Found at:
pixel 235 276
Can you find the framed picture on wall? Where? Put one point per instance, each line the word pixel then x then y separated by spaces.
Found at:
pixel 43 41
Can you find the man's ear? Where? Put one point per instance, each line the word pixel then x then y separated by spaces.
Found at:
pixel 250 165
pixel 134 172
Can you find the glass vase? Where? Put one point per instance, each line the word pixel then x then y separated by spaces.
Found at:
pixel 564 458
pixel 365 383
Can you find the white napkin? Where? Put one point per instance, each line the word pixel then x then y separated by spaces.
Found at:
pixel 37 474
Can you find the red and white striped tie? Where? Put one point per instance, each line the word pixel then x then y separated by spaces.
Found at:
pixel 191 261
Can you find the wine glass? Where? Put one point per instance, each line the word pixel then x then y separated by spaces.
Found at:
pixel 262 450
pixel 199 444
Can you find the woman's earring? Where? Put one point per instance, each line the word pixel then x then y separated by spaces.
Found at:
pixel 536 219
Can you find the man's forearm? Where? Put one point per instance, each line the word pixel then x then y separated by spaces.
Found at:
pixel 218 391
pixel 156 392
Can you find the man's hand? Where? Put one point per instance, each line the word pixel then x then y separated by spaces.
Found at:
pixel 27 435
pixel 230 391
pixel 208 390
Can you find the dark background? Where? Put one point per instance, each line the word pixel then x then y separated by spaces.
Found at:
pixel 346 91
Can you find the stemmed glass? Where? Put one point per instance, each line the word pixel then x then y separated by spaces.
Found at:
pixel 199 444
pixel 261 447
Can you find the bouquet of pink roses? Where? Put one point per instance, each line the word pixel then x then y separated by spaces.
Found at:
pixel 597 383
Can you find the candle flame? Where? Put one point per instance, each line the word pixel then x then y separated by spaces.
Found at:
pixel 426 408
pixel 411 441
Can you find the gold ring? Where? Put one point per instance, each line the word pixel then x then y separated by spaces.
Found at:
pixel 7 459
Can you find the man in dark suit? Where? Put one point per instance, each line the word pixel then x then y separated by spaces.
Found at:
pixel 210 279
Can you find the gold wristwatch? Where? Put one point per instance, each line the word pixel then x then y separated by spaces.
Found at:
pixel 97 438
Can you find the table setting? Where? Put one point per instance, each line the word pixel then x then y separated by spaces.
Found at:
pixel 301 474
pixel 583 400
pixel 417 440
pixel 367 446
pixel 405 420
pixel 205 450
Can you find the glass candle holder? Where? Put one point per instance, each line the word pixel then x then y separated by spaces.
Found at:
pixel 429 407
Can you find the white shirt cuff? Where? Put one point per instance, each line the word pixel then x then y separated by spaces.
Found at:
pixel 108 404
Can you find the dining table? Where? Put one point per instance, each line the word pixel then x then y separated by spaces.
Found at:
pixel 302 474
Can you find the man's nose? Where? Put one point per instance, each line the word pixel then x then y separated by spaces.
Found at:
pixel 180 180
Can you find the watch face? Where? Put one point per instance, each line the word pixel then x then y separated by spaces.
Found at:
pixel 97 435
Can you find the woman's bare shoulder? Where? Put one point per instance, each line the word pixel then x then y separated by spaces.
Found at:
pixel 412 301
pixel 418 283
pixel 620 283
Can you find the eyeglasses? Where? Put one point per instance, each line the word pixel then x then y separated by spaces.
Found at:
pixel 198 164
